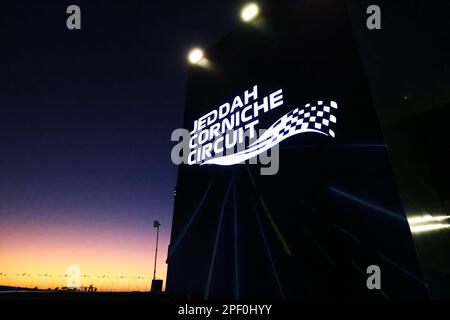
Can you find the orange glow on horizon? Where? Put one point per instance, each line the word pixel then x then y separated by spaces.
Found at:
pixel 111 258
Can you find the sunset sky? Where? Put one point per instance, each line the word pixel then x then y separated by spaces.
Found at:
pixel 85 124
pixel 111 255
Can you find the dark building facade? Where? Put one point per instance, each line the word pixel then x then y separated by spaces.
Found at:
pixel 333 209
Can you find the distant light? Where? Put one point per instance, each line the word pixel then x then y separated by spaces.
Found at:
pixel 195 56
pixel 249 12
pixel 427 218
pixel 429 227
pixel 427 223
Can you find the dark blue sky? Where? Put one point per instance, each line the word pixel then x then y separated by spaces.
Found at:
pixel 86 116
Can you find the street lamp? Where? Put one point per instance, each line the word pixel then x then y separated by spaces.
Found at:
pixel 156 225
pixel 195 56
pixel 250 12
pixel 156 284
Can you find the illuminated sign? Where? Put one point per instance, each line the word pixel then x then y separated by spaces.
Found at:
pixel 219 137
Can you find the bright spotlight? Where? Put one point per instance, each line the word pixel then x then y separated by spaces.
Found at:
pixel 429 227
pixel 426 219
pixel 249 12
pixel 195 56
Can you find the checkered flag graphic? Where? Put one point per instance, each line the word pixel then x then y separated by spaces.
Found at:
pixel 314 118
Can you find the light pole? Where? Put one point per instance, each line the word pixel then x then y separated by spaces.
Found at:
pixel 156 284
pixel 156 225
